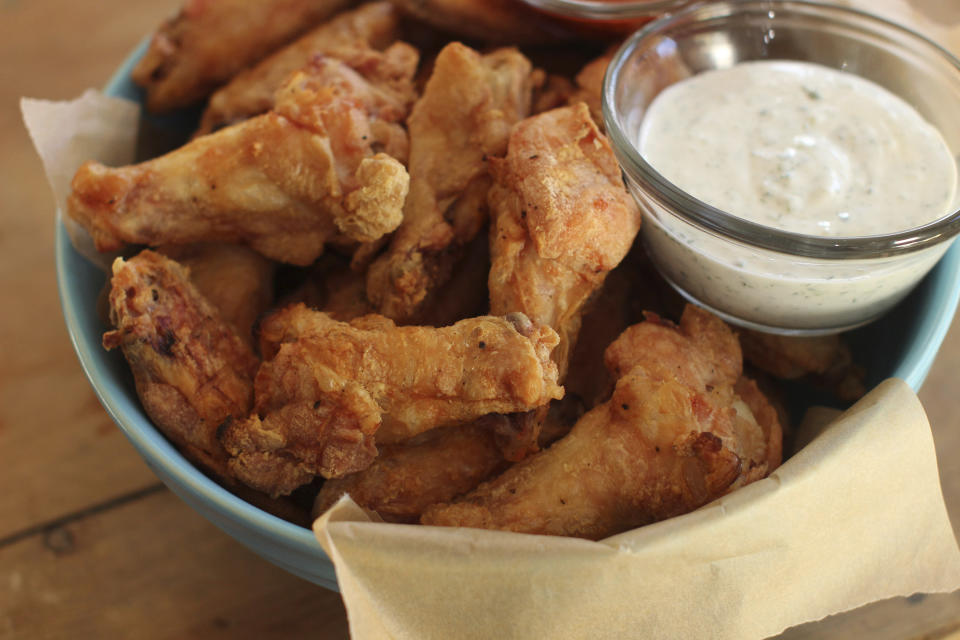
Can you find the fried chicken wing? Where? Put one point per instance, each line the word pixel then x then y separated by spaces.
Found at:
pixel 464 295
pixel 210 40
pixel 759 430
pixel 664 444
pixel 330 386
pixel 633 286
pixel 550 92
pixel 589 79
pixel 422 377
pixel 251 91
pixel 284 183
pixel 301 428
pixel 236 280
pixel 826 361
pixel 191 369
pixel 589 83
pixel 562 220
pixel 462 119
pixel 407 477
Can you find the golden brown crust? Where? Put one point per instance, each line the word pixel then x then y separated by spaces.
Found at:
pixel 562 219
pixel 463 117
pixel 235 279
pixel 283 183
pixel 408 477
pixel 665 443
pixel 766 453
pixel 824 361
pixel 292 438
pixel 790 357
pixel 590 85
pixel 191 370
pixel 209 41
pixel 421 377
pixel 329 386
pixel 251 91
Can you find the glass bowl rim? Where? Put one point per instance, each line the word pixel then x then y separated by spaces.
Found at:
pixel 601 10
pixel 727 226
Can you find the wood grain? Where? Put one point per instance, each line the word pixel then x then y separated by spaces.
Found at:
pixel 91 546
pixel 152 569
pixel 53 431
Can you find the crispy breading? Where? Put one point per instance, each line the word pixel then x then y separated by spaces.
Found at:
pixel 421 377
pixel 209 41
pixel 191 369
pixel 284 182
pixel 824 361
pixel 407 477
pixel 561 220
pixel 665 443
pixel 251 91
pixel 329 387
pixel 301 428
pixel 236 280
pixel 462 119
pixel 759 431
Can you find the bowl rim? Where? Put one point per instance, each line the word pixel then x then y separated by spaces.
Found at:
pixel 146 438
pixel 726 225
pixel 602 10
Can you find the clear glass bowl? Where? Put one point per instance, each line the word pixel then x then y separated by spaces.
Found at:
pixel 753 275
pixel 606 17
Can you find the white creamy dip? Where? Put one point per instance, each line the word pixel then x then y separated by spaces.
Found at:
pixel 802 148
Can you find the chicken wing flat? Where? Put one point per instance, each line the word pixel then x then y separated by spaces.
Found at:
pixel 664 444
pixel 462 119
pixel 407 477
pixel 251 91
pixel 210 40
pixel 825 361
pixel 236 280
pixel 561 220
pixel 284 183
pixel 332 386
pixel 421 377
pixel 191 369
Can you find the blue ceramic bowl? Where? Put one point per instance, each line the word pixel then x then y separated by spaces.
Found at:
pixel 902 344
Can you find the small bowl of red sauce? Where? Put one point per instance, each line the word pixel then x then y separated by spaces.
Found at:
pixel 605 17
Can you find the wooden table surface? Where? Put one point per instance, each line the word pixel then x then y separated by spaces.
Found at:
pixel 92 545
